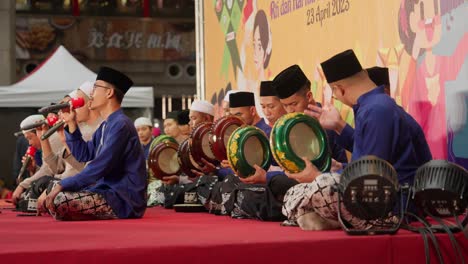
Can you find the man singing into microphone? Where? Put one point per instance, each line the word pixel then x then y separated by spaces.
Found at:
pixel 113 185
pixel 34 141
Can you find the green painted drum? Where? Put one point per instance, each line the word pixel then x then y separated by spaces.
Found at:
pixel 297 135
pixel 248 146
pixel 163 161
pixel 162 138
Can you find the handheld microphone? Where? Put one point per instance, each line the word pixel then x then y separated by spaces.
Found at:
pixel 30 152
pixel 74 103
pixel 51 120
pixel 18 134
pixel 52 130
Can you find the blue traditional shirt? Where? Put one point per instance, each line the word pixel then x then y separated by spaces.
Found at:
pixel 385 130
pixel 346 138
pixel 117 167
pixel 264 127
pixel 146 148
pixel 38 157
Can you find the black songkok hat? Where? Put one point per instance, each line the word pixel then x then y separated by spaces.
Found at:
pixel 114 77
pixel 266 89
pixel 183 117
pixel 173 115
pixel 289 81
pixel 241 99
pixel 341 66
pixel 379 75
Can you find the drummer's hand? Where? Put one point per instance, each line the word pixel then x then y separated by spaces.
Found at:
pixel 258 177
pixel 336 166
pixel 198 173
pixel 170 180
pixel 41 207
pixel 309 173
pixel 208 167
pixel 225 164
pixel 328 116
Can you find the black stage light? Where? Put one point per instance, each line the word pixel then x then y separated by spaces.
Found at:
pixel 441 190
pixel 370 191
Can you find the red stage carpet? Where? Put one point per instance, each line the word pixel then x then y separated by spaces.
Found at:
pixel 164 236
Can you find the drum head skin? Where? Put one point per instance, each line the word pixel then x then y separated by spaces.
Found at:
pixel 186 161
pixel 156 141
pixel 200 144
pixel 220 133
pixel 163 161
pixel 248 146
pixel 296 135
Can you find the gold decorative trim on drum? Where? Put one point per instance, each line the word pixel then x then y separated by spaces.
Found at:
pixel 162 160
pixel 162 138
pixel 248 146
pixel 296 135
pixel 220 133
pixel 200 144
pixel 186 161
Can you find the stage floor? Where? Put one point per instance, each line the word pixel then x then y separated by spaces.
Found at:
pixel 168 237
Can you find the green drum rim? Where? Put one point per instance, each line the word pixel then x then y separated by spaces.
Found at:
pixel 325 165
pixel 162 138
pixel 236 156
pixel 282 150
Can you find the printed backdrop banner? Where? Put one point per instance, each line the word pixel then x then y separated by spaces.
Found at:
pixel 424 44
pixel 108 39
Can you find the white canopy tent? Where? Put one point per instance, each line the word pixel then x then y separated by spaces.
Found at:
pixel 56 77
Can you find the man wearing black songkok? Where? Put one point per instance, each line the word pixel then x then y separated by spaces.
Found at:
pixel 383 129
pixel 242 105
pixel 271 105
pixel 113 185
pixel 293 88
pixel 379 75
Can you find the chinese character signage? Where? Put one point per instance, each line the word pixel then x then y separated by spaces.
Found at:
pixel 116 39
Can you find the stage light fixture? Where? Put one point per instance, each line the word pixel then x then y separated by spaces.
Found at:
pixel 369 190
pixel 441 190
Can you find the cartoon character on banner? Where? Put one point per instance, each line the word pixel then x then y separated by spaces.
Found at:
pixel 255 50
pixel 423 92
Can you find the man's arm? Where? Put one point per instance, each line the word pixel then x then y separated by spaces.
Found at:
pixel 82 151
pixel 109 155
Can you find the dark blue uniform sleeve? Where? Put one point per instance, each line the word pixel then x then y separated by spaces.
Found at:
pixel 346 138
pixel 82 151
pixel 271 174
pixel 223 172
pixel 108 157
pixel 338 153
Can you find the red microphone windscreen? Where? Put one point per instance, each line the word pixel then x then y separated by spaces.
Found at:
pixel 51 120
pixel 31 151
pixel 77 102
